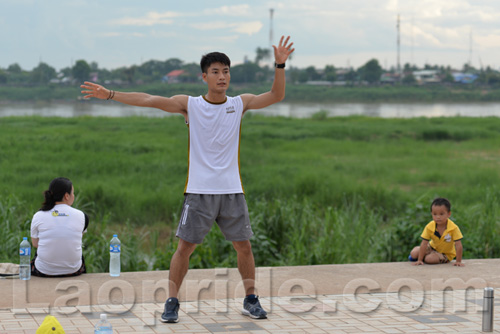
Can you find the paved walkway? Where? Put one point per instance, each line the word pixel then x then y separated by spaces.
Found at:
pixel 357 298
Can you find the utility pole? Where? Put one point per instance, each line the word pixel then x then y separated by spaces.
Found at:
pixel 398 66
pixel 271 33
pixel 271 13
pixel 470 49
pixel 412 38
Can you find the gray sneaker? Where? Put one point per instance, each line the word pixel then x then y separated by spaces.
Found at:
pixel 171 312
pixel 253 309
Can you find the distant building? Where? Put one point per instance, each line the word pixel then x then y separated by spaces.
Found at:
pixel 173 76
pixel 319 83
pixel 390 78
pixel 427 76
pixel 465 78
pixel 342 73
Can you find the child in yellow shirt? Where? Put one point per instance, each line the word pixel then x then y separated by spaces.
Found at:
pixel 441 238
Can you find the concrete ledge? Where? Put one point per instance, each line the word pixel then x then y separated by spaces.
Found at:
pixel 224 283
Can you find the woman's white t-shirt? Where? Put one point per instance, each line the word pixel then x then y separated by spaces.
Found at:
pixel 59 232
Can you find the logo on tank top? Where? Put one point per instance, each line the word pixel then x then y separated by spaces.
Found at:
pixel 56 213
pixel 230 109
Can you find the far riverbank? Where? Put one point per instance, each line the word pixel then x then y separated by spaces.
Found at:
pixel 317 110
pixel 295 93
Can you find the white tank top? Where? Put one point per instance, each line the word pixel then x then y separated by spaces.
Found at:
pixel 214 144
pixel 60 232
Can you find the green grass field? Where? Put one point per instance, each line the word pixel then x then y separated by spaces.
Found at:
pixel 334 190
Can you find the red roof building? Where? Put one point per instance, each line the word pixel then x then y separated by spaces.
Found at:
pixel 173 76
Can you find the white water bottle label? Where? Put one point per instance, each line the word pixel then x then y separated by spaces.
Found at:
pixel 114 248
pixel 24 251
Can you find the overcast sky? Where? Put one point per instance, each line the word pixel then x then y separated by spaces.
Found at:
pixel 342 33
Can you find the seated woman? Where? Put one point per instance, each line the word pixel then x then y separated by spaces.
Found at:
pixel 56 231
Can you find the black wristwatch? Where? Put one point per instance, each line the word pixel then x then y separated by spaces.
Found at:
pixel 279 65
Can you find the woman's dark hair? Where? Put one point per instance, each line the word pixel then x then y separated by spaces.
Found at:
pixel 213 57
pixel 441 201
pixel 57 189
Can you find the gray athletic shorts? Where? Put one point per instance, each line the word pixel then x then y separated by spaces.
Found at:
pixel 230 211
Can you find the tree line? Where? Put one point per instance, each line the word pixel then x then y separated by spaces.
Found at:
pixel 250 71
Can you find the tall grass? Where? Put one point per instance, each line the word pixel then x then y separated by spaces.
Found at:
pixel 287 232
pixel 15 224
pixel 15 218
pixel 319 190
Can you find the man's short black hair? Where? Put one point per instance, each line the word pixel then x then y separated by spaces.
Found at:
pixel 441 201
pixel 213 57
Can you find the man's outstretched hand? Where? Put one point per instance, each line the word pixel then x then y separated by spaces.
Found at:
pixel 283 50
pixel 94 90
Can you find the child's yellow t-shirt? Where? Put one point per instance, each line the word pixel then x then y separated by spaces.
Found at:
pixel 443 243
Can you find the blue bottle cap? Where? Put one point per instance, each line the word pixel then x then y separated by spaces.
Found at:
pixel 25 238
pixel 115 235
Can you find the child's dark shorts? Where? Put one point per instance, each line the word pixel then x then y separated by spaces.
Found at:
pixel 199 212
pixel 442 257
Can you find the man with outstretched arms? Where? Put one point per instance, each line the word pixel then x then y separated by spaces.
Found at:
pixel 214 191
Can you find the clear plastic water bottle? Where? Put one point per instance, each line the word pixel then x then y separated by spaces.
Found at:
pixel 114 256
pixel 25 259
pixel 103 326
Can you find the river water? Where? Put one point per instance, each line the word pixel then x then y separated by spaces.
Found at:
pixel 295 110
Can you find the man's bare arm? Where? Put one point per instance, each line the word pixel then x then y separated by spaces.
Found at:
pixel 277 92
pixel 174 104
